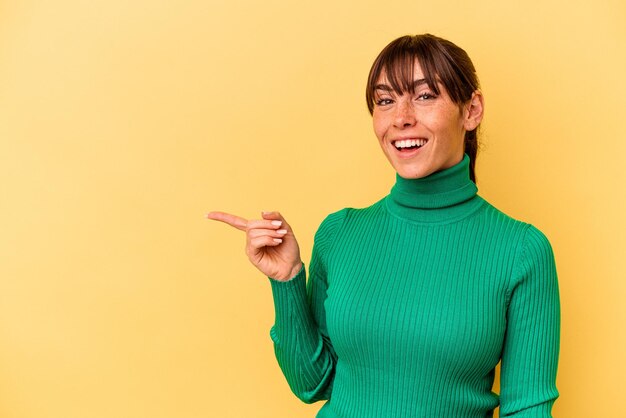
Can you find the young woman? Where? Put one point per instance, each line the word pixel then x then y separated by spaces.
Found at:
pixel 411 303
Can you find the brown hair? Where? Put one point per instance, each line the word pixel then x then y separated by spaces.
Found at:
pixel 440 60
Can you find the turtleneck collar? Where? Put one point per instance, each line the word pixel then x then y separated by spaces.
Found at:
pixel 444 196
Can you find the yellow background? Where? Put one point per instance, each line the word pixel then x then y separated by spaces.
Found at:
pixel 123 122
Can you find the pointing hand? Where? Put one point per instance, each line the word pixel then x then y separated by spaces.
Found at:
pixel 270 243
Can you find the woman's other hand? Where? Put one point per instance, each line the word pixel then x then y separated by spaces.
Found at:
pixel 270 243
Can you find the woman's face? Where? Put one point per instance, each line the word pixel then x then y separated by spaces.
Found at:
pixel 422 133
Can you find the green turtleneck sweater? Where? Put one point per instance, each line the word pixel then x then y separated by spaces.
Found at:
pixel 412 302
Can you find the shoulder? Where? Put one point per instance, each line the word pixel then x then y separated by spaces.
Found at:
pixel 330 224
pixel 537 250
pixel 530 235
pixel 493 227
pixel 334 222
pixel 497 216
pixel 523 234
pixel 350 214
pixel 328 228
pixel 528 243
pixel 533 256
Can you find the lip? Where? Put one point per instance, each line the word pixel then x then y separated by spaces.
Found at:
pixel 405 155
pixel 404 138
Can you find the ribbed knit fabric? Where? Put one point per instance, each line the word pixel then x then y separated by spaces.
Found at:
pixel 411 303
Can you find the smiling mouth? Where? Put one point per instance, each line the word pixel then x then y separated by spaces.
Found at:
pixel 409 144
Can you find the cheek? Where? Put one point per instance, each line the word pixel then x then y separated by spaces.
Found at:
pixel 449 126
pixel 379 125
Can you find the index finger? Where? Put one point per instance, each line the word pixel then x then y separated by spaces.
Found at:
pixel 232 220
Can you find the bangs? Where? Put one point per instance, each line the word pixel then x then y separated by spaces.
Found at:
pixel 437 61
pixel 399 70
pixel 397 63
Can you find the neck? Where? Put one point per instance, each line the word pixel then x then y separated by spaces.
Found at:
pixel 444 196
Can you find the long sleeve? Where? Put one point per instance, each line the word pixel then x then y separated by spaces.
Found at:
pixel 531 347
pixel 300 337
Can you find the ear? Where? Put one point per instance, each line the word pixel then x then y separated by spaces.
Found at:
pixel 473 113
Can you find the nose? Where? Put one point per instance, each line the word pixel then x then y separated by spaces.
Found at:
pixel 405 114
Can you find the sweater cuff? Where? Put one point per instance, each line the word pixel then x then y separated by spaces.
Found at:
pixel 543 410
pixel 282 290
pixel 293 278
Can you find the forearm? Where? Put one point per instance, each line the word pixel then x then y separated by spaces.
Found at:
pixel 303 353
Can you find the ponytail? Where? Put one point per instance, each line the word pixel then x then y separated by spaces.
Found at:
pixel 471 149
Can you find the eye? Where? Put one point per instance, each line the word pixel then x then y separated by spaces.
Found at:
pixel 426 96
pixel 383 102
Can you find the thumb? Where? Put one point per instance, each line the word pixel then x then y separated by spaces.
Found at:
pixel 272 215
pixel 275 216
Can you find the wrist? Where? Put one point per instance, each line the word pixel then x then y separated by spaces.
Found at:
pixel 295 270
pixel 293 273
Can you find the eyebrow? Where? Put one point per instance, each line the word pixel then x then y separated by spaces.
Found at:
pixel 386 87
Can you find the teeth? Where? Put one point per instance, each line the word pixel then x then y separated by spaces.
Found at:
pixel 405 143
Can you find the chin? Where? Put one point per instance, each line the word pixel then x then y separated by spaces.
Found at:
pixel 412 174
pixel 412 171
